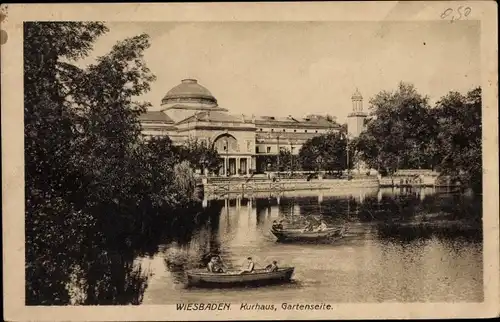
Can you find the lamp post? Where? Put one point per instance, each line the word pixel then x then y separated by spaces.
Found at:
pixel 278 159
pixel 347 150
pixel 347 154
pixel 226 162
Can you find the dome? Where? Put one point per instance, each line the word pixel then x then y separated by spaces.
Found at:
pixel 189 91
pixel 357 95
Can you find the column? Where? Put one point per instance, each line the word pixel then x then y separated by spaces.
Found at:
pixel 248 165
pixel 226 166
pixel 237 166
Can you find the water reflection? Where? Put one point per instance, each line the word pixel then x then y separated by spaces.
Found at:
pixel 403 245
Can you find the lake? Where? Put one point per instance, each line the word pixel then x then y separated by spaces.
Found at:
pixel 402 246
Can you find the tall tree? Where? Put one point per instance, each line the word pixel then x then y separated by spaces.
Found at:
pixel 201 155
pixel 288 161
pixel 400 129
pixel 82 151
pixel 327 152
pixel 50 180
pixel 460 136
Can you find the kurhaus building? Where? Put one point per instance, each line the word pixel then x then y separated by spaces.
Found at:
pixel 190 111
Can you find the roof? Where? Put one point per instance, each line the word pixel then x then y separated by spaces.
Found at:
pixel 213 116
pixel 155 116
pixel 189 89
pixel 312 121
pixel 356 95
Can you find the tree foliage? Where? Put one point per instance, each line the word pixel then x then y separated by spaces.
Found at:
pixel 404 132
pixel 459 139
pixel 93 185
pixel 201 155
pixel 399 130
pixel 327 152
pixel 288 161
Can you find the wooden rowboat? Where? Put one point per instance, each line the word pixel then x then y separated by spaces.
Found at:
pixel 300 235
pixel 201 277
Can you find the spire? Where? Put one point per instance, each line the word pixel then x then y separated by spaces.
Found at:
pixel 357 101
pixel 356 95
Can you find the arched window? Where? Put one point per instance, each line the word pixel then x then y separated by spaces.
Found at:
pixel 226 143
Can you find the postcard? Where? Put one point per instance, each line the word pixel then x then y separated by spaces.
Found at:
pixel 270 161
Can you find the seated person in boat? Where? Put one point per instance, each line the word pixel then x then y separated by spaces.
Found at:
pixel 250 266
pixel 213 266
pixel 321 226
pixel 220 264
pixel 308 227
pixel 277 226
pixel 273 267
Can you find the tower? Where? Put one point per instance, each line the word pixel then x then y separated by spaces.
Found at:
pixel 356 119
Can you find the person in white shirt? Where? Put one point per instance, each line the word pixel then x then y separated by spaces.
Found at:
pixel 322 226
pixel 250 266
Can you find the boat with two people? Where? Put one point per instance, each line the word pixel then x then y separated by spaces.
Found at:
pixel 218 275
pixel 307 233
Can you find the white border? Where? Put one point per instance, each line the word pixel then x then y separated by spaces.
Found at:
pixel 13 153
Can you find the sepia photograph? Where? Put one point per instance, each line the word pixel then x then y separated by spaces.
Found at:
pixel 253 168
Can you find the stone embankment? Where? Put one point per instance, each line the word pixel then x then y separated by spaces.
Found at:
pixel 243 185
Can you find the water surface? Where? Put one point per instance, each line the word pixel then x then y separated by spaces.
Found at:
pixel 402 246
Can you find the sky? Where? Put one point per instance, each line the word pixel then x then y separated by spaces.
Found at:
pixel 299 68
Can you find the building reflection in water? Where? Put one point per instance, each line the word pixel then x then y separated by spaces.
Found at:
pixel 377 261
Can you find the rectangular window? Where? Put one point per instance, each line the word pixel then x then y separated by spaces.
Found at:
pixel 293 149
pixel 268 149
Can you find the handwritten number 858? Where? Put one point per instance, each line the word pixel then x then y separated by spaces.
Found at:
pixel 461 11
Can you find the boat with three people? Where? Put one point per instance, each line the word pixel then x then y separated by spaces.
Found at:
pixel 202 277
pixel 218 274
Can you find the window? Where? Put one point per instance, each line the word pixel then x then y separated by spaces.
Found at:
pixel 293 149
pixel 272 130
pixel 316 131
pixel 256 149
pixel 284 130
pixel 268 149
pixel 295 130
pixel 305 131
pixel 261 130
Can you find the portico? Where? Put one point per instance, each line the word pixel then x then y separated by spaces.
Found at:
pixel 236 165
pixel 235 160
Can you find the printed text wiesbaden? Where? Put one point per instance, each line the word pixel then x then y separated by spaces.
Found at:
pixel 253 306
pixel 204 306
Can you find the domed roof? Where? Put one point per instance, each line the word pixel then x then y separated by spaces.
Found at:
pixel 188 91
pixel 356 95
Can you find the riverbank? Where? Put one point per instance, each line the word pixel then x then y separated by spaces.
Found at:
pixel 223 186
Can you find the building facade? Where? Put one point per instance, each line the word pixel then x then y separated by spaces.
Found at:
pixel 190 111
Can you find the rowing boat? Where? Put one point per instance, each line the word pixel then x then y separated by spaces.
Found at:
pixel 301 235
pixel 201 277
